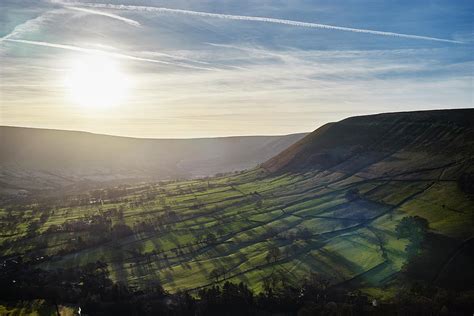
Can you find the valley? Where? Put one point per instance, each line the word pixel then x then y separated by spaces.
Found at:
pixel 314 208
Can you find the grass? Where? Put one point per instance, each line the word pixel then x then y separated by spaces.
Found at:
pixel 34 308
pixel 361 247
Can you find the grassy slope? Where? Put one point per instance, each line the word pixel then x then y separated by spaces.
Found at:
pixel 348 238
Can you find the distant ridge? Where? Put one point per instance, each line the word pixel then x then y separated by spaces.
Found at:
pixel 44 158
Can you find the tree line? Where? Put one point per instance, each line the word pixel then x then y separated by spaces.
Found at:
pixel 90 288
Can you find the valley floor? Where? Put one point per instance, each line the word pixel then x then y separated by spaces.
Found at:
pixel 247 227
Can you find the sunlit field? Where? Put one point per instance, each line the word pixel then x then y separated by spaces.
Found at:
pixel 192 234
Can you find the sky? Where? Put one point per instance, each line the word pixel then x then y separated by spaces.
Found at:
pixel 186 69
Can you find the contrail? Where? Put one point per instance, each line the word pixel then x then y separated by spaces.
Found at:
pixel 32 24
pixel 101 52
pixel 110 15
pixel 261 19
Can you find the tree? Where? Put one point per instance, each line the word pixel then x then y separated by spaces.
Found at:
pixel 220 232
pixel 414 229
pixel 304 233
pixel 95 278
pixel 466 183
pixel 275 284
pixel 296 247
pixel 315 286
pixel 273 254
pixel 121 230
pixel 211 239
pixel 214 274
pixel 33 227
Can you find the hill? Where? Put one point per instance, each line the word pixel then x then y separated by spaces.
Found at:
pixel 355 143
pixel 41 158
pixel 372 203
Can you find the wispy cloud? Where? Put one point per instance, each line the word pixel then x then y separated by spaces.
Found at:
pixel 110 15
pixel 32 24
pixel 105 53
pixel 264 20
pixel 174 57
pixel 280 91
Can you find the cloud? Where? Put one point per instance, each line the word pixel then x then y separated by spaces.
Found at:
pixel 311 81
pixel 110 15
pixel 32 24
pixel 101 52
pixel 262 19
pixel 174 57
pixel 280 91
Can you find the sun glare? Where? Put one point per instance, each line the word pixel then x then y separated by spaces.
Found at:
pixel 96 82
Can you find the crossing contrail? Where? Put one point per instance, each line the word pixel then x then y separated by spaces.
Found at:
pixel 101 52
pixel 110 15
pixel 32 24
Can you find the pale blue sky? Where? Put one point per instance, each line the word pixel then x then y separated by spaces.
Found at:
pixel 216 68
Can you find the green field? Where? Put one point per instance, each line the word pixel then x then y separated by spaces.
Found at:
pixel 182 231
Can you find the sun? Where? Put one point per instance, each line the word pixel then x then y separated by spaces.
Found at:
pixel 96 82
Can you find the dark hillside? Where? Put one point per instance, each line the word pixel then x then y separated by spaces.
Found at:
pixel 442 137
